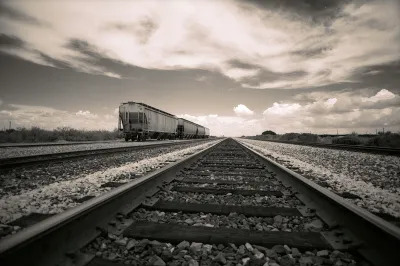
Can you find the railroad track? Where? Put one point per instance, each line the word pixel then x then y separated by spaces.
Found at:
pixel 224 204
pixel 54 157
pixel 46 144
pixel 360 148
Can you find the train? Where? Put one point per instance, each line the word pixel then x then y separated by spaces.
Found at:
pixel 139 121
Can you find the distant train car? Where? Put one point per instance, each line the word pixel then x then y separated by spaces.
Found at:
pixel 186 129
pixel 207 133
pixel 139 121
pixel 201 131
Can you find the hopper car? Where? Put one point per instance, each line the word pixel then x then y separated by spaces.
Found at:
pixel 139 121
pixel 187 130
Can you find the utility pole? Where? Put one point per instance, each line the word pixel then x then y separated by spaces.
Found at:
pixel 9 127
pixel 383 130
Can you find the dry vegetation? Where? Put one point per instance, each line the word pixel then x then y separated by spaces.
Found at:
pixel 387 139
pixel 36 134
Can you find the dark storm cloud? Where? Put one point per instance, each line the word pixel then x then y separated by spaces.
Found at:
pixel 240 64
pixel 52 61
pixel 11 13
pixel 84 48
pixel 316 10
pixel 381 76
pixel 271 76
pixel 311 52
pixel 9 41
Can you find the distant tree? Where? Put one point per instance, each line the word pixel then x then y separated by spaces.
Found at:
pixel 268 132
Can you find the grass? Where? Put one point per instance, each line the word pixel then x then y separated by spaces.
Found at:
pixel 35 134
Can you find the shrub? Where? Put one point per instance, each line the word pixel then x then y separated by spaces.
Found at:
pixel 269 132
pixel 348 140
pixel 386 140
pixel 36 134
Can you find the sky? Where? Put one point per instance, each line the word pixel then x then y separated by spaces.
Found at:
pixel 237 67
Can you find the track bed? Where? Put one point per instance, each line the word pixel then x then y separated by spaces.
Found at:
pixel 223 206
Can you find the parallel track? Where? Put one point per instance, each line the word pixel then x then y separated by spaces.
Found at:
pixel 227 169
pixel 54 157
pixel 359 148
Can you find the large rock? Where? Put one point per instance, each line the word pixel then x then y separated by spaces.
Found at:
pixel 315 225
pixel 278 219
pixel 220 258
pixel 183 245
pixel 207 248
pixel 287 260
pixel 295 252
pixel 157 261
pixel 249 247
pixel 306 261
pixel 323 253
pixel 279 249
pixel 259 255
pixel 195 247
pixel 193 262
pixel 131 244
pixel 241 250
pixel 271 253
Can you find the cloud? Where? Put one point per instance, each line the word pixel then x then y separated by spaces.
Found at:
pixel 382 95
pixel 51 118
pixel 242 110
pixel 86 114
pixel 282 109
pixel 316 112
pixel 329 48
pixel 226 125
pixel 324 112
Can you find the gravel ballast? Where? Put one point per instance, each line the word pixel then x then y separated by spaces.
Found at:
pixel 370 181
pixel 233 220
pixel 231 199
pixel 61 195
pixel 151 252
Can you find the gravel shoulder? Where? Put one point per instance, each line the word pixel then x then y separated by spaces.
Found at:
pixel 370 181
pixel 11 152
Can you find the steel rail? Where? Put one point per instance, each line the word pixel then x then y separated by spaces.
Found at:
pixel 50 241
pixel 379 240
pixel 53 157
pixel 360 148
pixel 47 144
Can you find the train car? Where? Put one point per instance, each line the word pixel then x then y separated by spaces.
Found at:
pixel 201 131
pixel 139 121
pixel 207 133
pixel 186 129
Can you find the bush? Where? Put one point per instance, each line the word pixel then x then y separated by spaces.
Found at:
pixel 348 140
pixel 303 137
pixel 386 140
pixel 36 134
pixel 269 132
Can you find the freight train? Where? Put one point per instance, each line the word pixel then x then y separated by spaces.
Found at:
pixel 139 121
